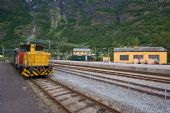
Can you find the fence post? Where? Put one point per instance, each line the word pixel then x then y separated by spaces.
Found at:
pixel 165 98
pixel 128 87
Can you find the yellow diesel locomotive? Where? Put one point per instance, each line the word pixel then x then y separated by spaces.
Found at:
pixel 32 60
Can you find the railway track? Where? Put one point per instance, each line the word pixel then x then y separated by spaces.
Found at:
pixel 160 92
pixel 71 100
pixel 155 78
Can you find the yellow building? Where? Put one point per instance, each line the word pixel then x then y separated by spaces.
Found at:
pixel 144 55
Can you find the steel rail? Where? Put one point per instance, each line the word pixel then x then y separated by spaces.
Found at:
pixel 113 69
pixel 86 96
pixel 97 102
pixel 51 97
pixel 140 87
pixel 118 73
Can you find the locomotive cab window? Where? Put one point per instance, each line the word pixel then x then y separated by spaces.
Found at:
pixel 25 48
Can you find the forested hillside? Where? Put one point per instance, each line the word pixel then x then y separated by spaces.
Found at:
pixel 94 23
pixel 13 17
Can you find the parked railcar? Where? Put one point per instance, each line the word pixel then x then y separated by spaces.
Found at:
pixel 82 58
pixel 31 60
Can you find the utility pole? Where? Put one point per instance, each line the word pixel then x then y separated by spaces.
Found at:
pixel 3 51
pixel 49 45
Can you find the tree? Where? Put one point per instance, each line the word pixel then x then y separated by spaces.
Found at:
pixel 135 41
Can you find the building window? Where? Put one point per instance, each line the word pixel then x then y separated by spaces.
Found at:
pixel 156 57
pixel 138 57
pixel 124 57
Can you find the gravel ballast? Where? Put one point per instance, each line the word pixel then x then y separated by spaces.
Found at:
pixel 125 99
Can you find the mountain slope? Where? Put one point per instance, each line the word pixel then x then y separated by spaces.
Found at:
pixel 13 20
pixel 94 23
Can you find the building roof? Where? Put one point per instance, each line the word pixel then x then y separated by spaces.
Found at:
pixel 141 49
pixel 81 49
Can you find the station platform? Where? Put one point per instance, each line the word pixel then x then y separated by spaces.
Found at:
pixel 142 68
pixel 14 95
